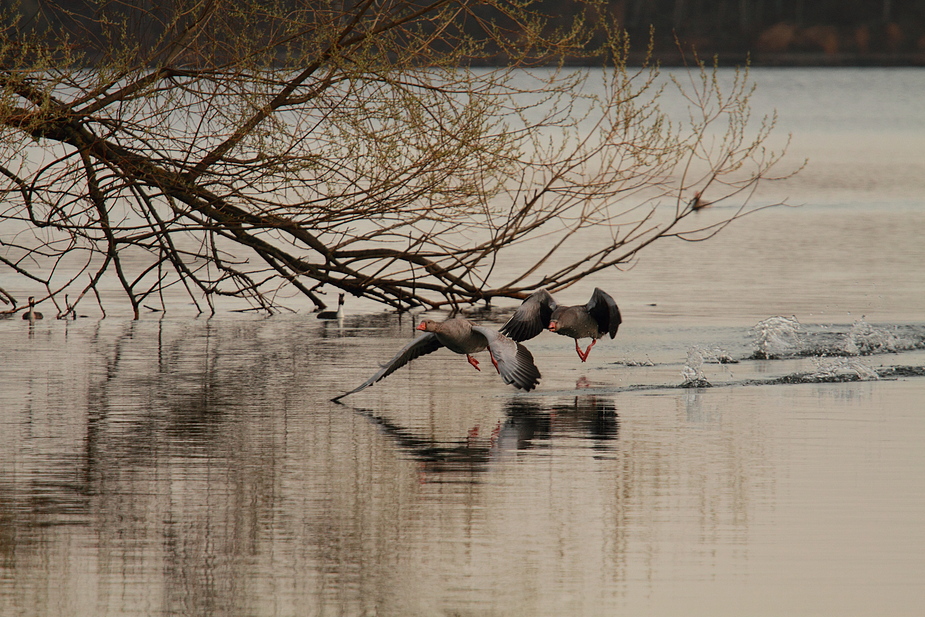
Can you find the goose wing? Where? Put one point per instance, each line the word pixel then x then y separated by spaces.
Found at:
pixel 604 311
pixel 531 317
pixel 420 346
pixel 515 362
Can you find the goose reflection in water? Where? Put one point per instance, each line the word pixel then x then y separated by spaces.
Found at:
pixel 528 424
pixel 587 417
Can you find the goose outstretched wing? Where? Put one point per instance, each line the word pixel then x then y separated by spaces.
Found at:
pixel 420 346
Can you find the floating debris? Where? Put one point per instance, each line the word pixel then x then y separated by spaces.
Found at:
pixel 895 372
pixel 696 383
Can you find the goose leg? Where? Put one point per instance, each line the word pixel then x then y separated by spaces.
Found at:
pixel 588 350
pixel 581 354
pixel 493 361
pixel 584 355
pixel 474 362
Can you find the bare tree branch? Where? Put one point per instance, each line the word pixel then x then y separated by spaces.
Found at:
pixel 239 149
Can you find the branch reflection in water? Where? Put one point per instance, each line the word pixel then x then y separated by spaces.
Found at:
pixel 191 460
pixel 198 467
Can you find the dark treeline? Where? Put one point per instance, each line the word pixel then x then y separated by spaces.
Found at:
pixel 784 31
pixel 890 32
pixel 775 31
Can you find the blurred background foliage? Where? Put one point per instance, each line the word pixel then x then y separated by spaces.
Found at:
pixel 764 32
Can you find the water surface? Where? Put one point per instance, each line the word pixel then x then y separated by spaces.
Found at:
pixel 193 466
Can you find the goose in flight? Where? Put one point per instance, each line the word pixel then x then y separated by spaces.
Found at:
pixel 600 316
pixel 513 361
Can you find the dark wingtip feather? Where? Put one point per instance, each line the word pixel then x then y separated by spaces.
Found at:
pixel 527 375
pixel 605 311
pixel 615 320
pixel 518 330
pixel 531 317
pixel 415 349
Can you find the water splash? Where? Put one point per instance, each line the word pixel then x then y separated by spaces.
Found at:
pixel 646 362
pixel 692 372
pixel 864 339
pixel 693 368
pixel 776 337
pixel 831 368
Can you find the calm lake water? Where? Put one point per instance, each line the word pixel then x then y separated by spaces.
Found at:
pixel 184 466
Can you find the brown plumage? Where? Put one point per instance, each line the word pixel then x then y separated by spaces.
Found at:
pixel 599 317
pixel 513 361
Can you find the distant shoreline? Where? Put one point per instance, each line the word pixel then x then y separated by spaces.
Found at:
pixel 789 59
pixel 754 60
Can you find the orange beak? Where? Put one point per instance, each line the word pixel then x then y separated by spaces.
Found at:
pixel 421 326
pixel 553 325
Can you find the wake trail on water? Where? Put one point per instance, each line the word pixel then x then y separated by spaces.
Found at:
pixel 785 337
pixel 839 354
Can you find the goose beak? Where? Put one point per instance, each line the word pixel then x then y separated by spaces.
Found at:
pixel 553 325
pixel 422 326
